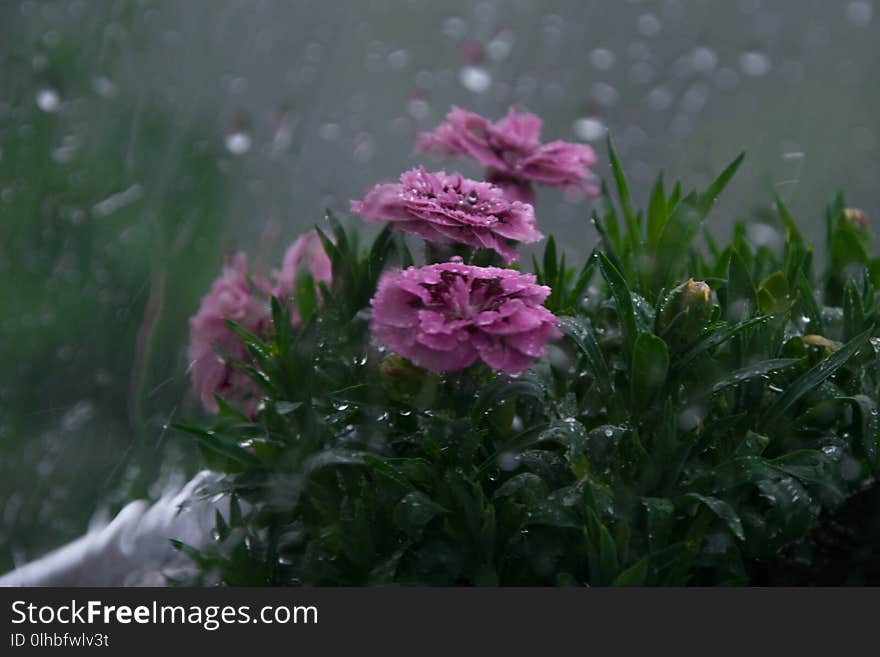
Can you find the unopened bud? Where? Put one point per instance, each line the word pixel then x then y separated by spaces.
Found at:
pixel 861 226
pixel 857 218
pixel 402 380
pixel 684 313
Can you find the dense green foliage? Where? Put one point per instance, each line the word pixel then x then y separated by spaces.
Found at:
pixel 678 434
pixel 110 229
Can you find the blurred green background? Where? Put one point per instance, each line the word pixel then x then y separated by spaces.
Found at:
pixel 140 141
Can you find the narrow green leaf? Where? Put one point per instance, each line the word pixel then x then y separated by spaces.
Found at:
pixel 657 212
pixel 713 191
pixel 650 364
pixel 716 339
pixel 815 376
pixel 724 511
pixel 585 340
pixel 623 298
pixel 746 374
pixel 632 225
pixel 635 575
pixel 866 412
pixel 740 295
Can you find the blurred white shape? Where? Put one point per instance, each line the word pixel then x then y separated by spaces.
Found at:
pixel 602 58
pixel 133 550
pixel 398 59
pixel 475 78
pixel 754 63
pixel 500 46
pixel 660 98
pixel 859 13
pixel 589 128
pixel 238 142
pixel 48 100
pixel 604 94
pixel 363 148
pixel 67 150
pixel 641 72
pixel 103 86
pixel 418 108
pixel 454 27
pixel 116 201
pixel 329 131
pixel 694 98
pixel 238 86
pixel 703 59
pixel 761 234
pixel 649 25
pixel 726 78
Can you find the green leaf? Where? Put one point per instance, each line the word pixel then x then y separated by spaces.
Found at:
pixel 753 444
pixel 650 364
pixel 740 295
pixel 809 466
pixel 584 338
pixel 601 551
pixel 383 469
pixel 657 212
pixel 773 294
pixel 716 339
pixel 675 241
pixel 414 511
pixel 623 298
pixel 746 374
pixel 306 297
pixel 633 228
pixel 853 311
pixel 550 272
pixel 608 244
pixel 815 376
pixel 724 511
pixel 635 575
pixel 713 191
pixel 793 234
pixel 868 427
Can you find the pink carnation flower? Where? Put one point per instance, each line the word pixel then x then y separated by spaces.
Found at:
pixel 305 254
pixel 512 152
pixel 231 297
pixel 445 317
pixel 449 208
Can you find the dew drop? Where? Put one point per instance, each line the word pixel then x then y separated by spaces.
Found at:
pixel 48 100
pixel 602 58
pixel 589 128
pixel 859 13
pixel 475 78
pixel 649 25
pixel 754 63
pixel 238 142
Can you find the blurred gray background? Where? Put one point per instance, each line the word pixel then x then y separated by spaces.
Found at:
pixel 141 140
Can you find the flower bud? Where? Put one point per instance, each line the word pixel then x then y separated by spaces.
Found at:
pixel 684 314
pixel 403 381
pixel 861 226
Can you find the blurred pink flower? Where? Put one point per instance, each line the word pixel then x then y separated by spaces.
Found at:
pixel 305 254
pixel 231 297
pixel 445 317
pixel 512 152
pixel 449 208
